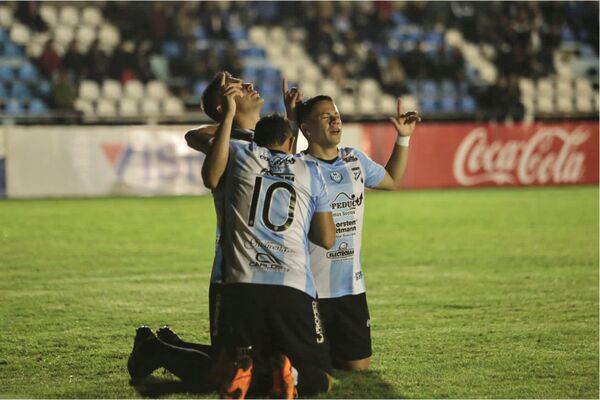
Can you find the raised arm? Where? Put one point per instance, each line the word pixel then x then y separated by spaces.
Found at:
pixel 405 124
pixel 215 162
pixel 322 230
pixel 291 98
pixel 200 138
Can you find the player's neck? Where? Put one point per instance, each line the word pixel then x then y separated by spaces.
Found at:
pixel 245 121
pixel 324 153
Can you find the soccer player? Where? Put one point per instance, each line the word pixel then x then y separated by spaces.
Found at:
pixel 274 202
pixel 247 114
pixel 191 361
pixel 338 272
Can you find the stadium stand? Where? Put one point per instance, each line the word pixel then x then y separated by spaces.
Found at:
pixel 453 60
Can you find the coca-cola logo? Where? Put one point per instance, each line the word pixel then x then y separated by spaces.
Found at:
pixel 550 155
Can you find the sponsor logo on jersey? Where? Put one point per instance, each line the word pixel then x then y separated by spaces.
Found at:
pixel 343 251
pixel 345 227
pixel 357 172
pixel 267 245
pixel 344 200
pixel 368 323
pixel 268 263
pixel 358 275
pixel 349 158
pixel 336 176
pixel 283 175
pixel 318 328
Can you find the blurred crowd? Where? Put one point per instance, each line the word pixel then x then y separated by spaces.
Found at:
pixel 348 40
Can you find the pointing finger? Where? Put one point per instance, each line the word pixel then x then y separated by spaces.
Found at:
pixel 284 86
pixel 399 108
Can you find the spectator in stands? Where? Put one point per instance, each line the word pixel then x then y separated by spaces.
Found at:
pixel 502 100
pixel 28 12
pixel 159 21
pixel 123 62
pixel 143 70
pixel 212 19
pixel 64 92
pixel 393 77
pixel 49 61
pixel 97 61
pixel 185 19
pixel 415 62
pixel 74 61
pixel 231 61
pixel 371 67
pixel 338 73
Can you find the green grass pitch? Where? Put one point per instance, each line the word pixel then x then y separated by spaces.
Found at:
pixel 486 293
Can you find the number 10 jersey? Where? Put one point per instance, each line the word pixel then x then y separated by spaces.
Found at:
pixel 270 199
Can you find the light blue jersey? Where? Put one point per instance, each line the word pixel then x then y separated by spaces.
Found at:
pixel 219 198
pixel 338 272
pixel 270 199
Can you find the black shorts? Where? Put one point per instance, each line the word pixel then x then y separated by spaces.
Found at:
pixel 347 326
pixel 215 301
pixel 274 319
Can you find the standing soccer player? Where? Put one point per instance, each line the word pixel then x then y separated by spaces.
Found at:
pixel 338 272
pixel 274 202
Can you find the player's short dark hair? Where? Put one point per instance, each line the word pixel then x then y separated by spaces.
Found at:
pixel 210 97
pixel 304 109
pixel 273 129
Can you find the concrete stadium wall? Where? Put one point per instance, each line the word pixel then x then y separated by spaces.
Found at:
pixel 80 161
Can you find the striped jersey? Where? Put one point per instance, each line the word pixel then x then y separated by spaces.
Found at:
pixel 338 271
pixel 218 193
pixel 270 199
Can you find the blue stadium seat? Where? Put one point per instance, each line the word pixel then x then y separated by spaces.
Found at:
pixel 199 87
pixel 252 52
pixel 428 105
pixel 171 49
pixel 467 104
pixel 399 18
pixel 3 92
pixel 448 104
pixel 3 35
pixel 44 88
pixel 12 50
pixel 238 34
pixel 448 88
pixel 6 74
pixel 14 107
pixel 199 33
pixel 429 89
pixel 37 107
pixel 27 72
pixel 20 91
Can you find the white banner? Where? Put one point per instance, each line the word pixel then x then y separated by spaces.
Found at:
pixel 57 161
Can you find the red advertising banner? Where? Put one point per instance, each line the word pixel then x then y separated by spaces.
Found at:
pixel 473 154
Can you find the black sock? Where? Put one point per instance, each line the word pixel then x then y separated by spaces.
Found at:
pixel 189 365
pixel 311 381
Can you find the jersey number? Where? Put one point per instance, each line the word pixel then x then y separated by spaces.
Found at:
pixel 266 211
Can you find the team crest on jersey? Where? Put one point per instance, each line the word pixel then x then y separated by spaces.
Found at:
pixel 336 176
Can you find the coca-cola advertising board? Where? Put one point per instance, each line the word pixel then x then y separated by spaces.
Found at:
pixel 473 154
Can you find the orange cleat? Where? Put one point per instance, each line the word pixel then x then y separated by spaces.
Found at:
pixel 283 378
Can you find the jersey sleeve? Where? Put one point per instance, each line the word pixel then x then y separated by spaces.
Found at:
pixel 318 188
pixel 236 145
pixel 374 173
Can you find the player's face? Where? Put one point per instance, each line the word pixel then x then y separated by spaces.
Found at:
pixel 324 126
pixel 251 99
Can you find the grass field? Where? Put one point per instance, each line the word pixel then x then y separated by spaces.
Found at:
pixel 473 293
